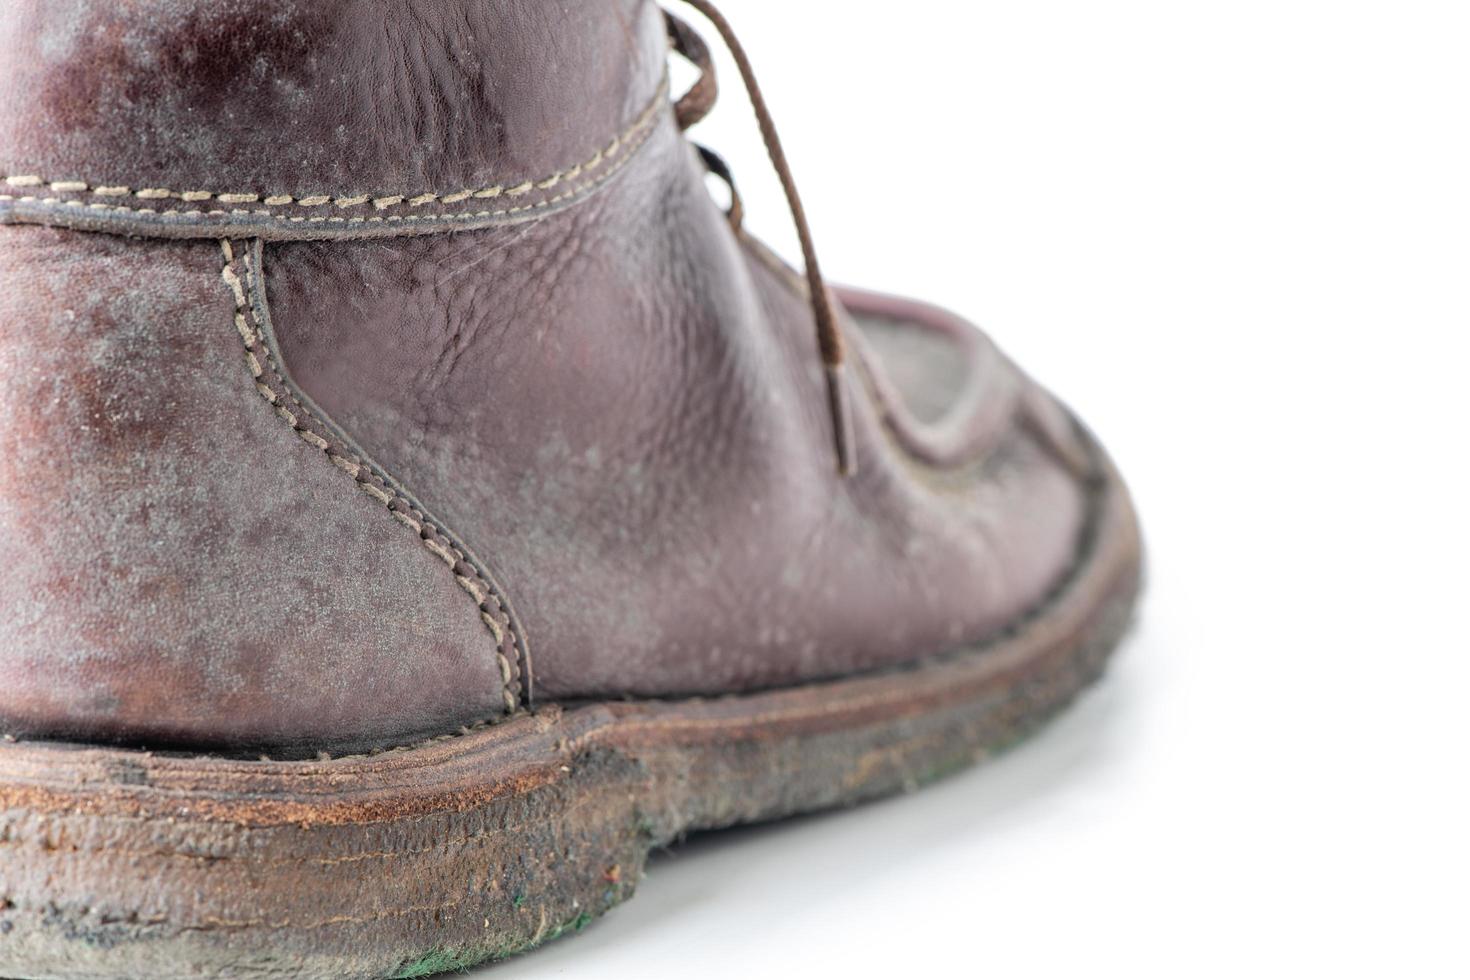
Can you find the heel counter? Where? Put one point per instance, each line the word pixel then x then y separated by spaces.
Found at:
pixel 178 567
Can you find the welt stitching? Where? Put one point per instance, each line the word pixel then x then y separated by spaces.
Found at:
pixel 270 384
pixel 621 146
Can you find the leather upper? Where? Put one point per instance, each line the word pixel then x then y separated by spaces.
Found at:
pixel 318 117
pixel 177 566
pixel 610 400
pixel 621 408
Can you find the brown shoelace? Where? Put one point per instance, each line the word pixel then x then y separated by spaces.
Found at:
pixel 693 107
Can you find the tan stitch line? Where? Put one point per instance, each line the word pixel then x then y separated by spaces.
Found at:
pixel 486 599
pixel 315 440
pixel 383 496
pixel 1085 553
pixel 440 550
pixel 499 632
pixel 246 334
pixel 584 188
pixel 472 586
pixel 468 584
pixel 521 188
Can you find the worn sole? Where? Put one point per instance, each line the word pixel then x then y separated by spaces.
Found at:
pixel 473 847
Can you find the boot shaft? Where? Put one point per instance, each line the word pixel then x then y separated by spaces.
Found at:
pixel 338 116
pixel 585 413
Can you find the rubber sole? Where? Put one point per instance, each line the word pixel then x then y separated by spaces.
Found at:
pixel 480 845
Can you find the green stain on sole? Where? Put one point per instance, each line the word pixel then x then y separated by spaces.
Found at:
pixel 438 961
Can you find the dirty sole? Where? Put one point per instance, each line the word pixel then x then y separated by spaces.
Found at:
pixel 117 863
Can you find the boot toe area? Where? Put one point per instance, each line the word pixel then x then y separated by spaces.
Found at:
pixel 946 391
pixel 988 469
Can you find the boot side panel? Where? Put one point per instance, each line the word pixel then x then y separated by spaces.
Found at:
pixel 178 565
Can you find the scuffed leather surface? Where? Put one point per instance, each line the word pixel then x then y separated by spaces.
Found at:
pixel 620 407
pixel 176 566
pixel 313 97
pixel 977 387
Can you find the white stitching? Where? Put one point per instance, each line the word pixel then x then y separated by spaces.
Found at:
pixel 482 596
pixel 550 202
pixel 381 201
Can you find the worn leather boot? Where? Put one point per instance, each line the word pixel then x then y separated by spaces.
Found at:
pixel 420 499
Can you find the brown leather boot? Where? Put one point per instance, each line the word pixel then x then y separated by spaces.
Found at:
pixel 420 499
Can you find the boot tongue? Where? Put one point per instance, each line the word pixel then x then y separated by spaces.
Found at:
pixel 327 104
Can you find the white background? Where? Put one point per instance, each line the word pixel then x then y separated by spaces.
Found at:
pixel 1236 238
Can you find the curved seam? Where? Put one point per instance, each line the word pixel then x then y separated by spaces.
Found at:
pixel 1083 554
pixel 623 144
pixel 260 306
pixel 261 362
pixel 449 221
pixel 1086 549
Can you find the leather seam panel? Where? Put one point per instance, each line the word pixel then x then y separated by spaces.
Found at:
pixel 622 145
pixel 1085 551
pixel 270 383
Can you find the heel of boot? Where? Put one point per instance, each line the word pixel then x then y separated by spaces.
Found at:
pixel 406 863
